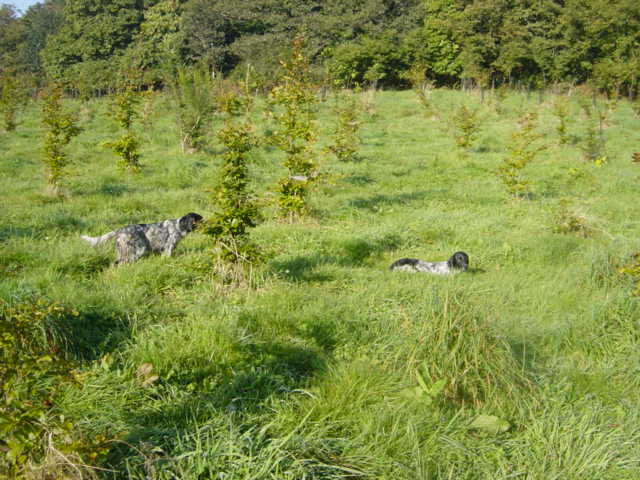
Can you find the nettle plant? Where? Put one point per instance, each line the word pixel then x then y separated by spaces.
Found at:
pixel 237 209
pixel 293 103
pixel 521 152
pixel 60 128
pixel 345 140
pixel 124 111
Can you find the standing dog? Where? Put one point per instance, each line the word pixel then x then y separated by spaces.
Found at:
pixel 459 262
pixel 135 241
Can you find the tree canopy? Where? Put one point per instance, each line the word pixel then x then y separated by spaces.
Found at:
pixel 538 42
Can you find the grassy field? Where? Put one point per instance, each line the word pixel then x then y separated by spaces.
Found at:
pixel 321 363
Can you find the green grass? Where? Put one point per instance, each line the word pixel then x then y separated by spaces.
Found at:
pixel 315 365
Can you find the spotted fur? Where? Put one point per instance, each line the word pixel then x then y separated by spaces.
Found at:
pixel 135 241
pixel 459 262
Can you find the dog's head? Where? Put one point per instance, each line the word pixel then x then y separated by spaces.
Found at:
pixel 459 261
pixel 189 222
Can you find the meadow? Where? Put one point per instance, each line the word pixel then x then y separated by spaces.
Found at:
pixel 318 362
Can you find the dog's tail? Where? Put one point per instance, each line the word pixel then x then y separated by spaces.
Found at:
pixel 93 241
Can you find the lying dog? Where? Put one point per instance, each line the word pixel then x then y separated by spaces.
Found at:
pixel 459 262
pixel 135 241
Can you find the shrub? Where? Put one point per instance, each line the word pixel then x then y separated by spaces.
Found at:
pixel 33 369
pixel 593 144
pixel 521 152
pixel 568 219
pixel 466 124
pixel 293 102
pixel 561 112
pixel 12 99
pixel 193 91
pixel 124 111
pixel 60 129
pixel 236 208
pixel 633 269
pixel 345 140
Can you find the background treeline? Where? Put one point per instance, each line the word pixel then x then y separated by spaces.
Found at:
pixel 87 44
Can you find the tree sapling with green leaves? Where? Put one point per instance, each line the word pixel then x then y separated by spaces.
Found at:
pixel 193 92
pixel 60 128
pixel 561 111
pixel 236 207
pixel 124 111
pixel 521 152
pixel 294 103
pixel 466 124
pixel 12 99
pixel 345 140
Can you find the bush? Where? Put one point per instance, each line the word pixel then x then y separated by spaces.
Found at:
pixel 466 126
pixel 33 369
pixel 12 99
pixel 124 112
pixel 521 152
pixel 193 93
pixel 236 208
pixel 60 129
pixel 345 141
pixel 293 102
pixel 368 60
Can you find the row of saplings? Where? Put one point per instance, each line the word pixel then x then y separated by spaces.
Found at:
pixel 291 104
pixel 33 366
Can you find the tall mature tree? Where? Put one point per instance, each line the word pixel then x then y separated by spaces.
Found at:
pixel 157 47
pixel 11 35
pixel 39 21
pixel 93 36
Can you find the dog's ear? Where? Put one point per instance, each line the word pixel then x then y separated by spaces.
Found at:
pixel 189 221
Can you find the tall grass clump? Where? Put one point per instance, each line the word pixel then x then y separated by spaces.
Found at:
pixel 193 93
pixel 236 207
pixel 477 366
pixel 293 101
pixel 345 140
pixel 60 128
pixel 522 151
pixel 125 111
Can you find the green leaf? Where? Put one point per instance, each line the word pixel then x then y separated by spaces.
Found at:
pixel 490 424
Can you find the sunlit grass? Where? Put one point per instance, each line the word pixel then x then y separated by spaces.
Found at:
pixel 312 368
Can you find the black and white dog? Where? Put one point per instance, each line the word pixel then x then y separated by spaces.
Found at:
pixel 136 241
pixel 459 262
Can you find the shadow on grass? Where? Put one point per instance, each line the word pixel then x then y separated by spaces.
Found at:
pixel 374 202
pixel 359 179
pixel 350 253
pixel 275 368
pixel 10 231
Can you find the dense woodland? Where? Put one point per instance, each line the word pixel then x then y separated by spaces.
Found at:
pixel 88 44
